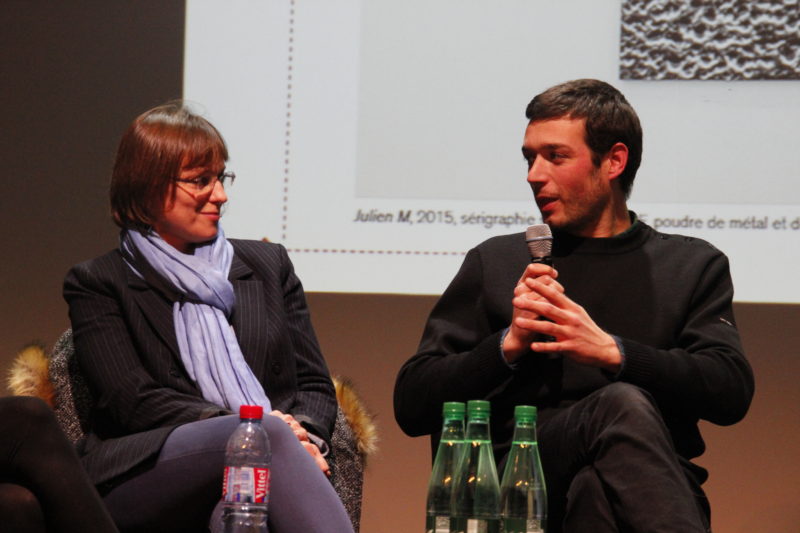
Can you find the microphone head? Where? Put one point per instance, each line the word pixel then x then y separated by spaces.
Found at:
pixel 540 241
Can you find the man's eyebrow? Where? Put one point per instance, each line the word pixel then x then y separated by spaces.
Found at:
pixel 556 146
pixel 526 151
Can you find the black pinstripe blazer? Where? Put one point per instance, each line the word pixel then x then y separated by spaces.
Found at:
pixel 125 343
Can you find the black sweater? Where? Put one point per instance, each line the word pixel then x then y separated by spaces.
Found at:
pixel 667 297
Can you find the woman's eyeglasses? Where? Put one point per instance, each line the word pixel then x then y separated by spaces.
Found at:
pixel 205 183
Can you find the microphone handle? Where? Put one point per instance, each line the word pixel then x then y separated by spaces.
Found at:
pixel 541 337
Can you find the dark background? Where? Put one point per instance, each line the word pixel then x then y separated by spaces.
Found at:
pixel 73 77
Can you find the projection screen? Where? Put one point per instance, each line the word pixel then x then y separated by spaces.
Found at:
pixel 380 140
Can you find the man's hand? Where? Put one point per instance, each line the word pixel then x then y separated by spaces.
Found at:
pixel 519 338
pixel 302 436
pixel 576 335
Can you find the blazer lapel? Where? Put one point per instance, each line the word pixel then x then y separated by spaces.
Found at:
pixel 249 318
pixel 157 309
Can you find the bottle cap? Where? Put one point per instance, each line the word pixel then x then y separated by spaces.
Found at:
pixel 453 410
pixel 478 409
pixel 251 411
pixel 525 412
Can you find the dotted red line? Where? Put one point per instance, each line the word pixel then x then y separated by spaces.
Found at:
pixel 370 252
pixel 287 142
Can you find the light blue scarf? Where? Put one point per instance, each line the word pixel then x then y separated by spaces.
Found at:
pixel 207 342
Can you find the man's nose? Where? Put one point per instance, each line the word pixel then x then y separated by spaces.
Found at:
pixel 537 172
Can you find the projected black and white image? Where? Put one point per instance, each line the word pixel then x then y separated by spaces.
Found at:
pixel 701 40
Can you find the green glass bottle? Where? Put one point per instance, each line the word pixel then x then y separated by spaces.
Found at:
pixel 445 467
pixel 523 492
pixel 476 496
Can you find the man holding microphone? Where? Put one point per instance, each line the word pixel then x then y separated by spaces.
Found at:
pixel 623 344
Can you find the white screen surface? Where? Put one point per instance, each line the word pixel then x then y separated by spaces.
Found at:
pixel 380 140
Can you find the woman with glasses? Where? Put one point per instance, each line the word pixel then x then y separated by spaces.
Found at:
pixel 178 327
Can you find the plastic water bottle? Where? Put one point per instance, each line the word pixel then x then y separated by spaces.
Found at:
pixel 245 487
pixel 476 496
pixel 523 493
pixel 445 468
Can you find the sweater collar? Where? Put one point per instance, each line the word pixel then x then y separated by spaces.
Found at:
pixel 630 239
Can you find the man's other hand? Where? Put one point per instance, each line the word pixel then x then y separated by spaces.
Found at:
pixel 576 335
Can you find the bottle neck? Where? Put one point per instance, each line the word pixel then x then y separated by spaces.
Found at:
pixel 478 429
pixel 453 429
pixel 525 432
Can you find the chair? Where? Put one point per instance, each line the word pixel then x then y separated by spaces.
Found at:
pixel 354 436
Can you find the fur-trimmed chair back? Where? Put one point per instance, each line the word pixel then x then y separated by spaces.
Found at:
pixel 59 382
pixel 71 398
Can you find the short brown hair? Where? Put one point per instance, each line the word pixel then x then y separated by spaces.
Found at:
pixel 609 119
pixel 150 156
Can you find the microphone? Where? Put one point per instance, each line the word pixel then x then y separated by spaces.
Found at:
pixel 540 243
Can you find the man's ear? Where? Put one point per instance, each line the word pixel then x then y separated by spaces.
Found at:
pixel 617 160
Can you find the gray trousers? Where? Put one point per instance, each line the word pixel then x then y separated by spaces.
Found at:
pixel 180 492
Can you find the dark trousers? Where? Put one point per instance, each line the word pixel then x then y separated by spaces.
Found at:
pixel 610 466
pixel 180 492
pixel 43 486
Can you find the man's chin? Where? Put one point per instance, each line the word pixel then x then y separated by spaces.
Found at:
pixel 551 220
pixel 559 224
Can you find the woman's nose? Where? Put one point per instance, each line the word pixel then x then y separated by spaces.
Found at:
pixel 218 194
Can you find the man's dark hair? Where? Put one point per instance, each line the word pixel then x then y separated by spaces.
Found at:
pixel 609 119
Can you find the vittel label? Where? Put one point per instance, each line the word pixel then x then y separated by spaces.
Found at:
pixel 245 484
